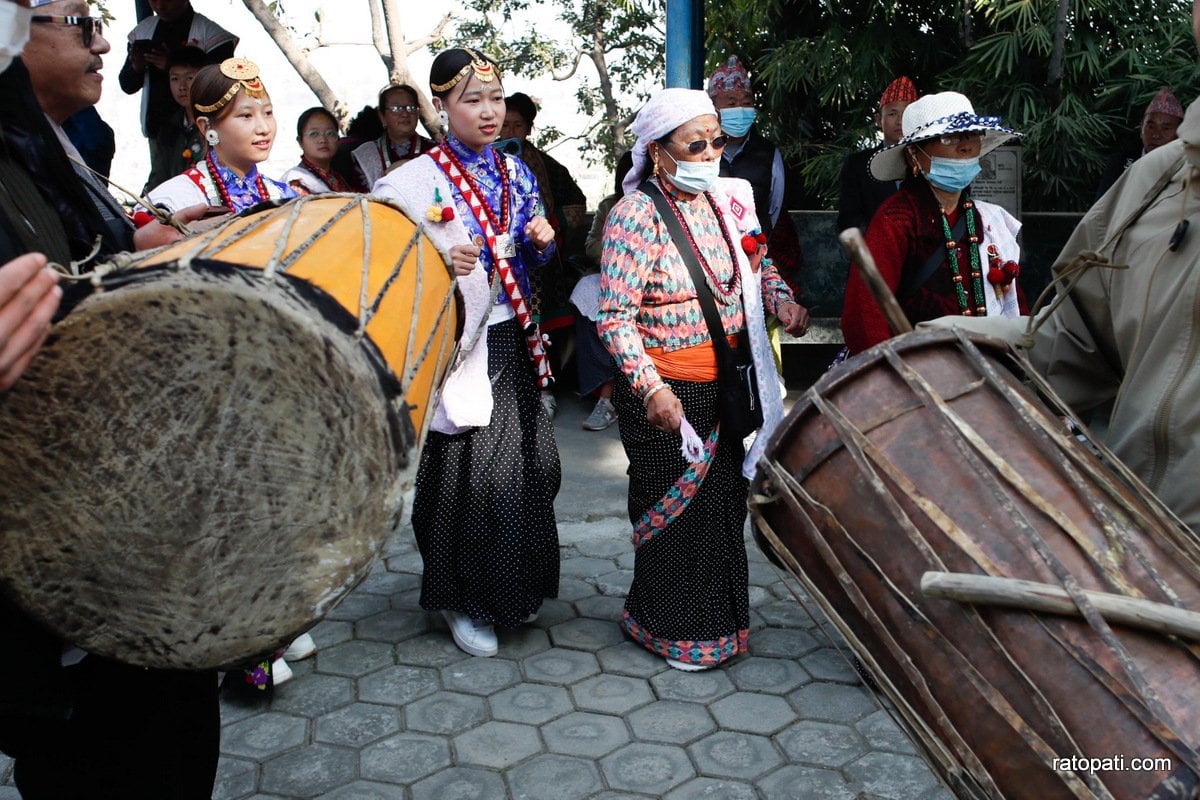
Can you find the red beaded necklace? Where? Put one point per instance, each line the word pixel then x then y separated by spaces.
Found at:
pixel 713 283
pixel 326 176
pixel 501 225
pixel 385 150
pixel 222 190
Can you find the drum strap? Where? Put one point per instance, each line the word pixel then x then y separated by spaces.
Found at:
pixel 910 285
pixel 503 248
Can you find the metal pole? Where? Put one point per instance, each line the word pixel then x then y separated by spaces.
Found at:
pixel 680 35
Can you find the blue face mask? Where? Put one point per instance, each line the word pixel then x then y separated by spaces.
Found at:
pixel 952 174
pixel 737 121
pixel 511 146
pixel 693 177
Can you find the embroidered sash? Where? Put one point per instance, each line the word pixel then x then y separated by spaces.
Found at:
pixel 503 249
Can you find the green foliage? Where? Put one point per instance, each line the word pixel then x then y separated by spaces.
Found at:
pixel 611 49
pixel 819 68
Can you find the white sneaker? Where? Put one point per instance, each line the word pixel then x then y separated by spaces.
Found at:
pixel 281 673
pixel 472 636
pixel 301 648
pixel 684 666
pixel 602 416
pixel 550 404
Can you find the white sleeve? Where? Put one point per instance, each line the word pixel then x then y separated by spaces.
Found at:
pixel 178 193
pixel 775 204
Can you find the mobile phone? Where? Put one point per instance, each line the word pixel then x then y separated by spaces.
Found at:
pixel 141 46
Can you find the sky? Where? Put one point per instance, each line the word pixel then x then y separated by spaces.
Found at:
pixel 347 60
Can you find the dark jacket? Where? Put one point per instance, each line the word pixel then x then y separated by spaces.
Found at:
pixel 861 194
pixel 753 163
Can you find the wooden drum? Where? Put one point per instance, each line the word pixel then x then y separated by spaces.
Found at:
pixel 929 453
pixel 214 443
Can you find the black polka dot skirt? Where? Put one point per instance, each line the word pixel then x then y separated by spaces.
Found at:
pixel 690 598
pixel 483 513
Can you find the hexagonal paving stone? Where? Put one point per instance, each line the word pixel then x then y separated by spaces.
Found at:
pixel 585 567
pixel 309 771
pixel 822 744
pixel 555 611
pixel 883 733
pixel 399 685
pixel 584 734
pixel 531 703
pixel 482 676
pixel 759 596
pixel 891 775
pixel 445 712
pixel 410 562
pixel 560 666
pixel 235 778
pixel 771 675
pixel 460 783
pixel 611 694
pixel 366 790
pixel 649 768
pixel 404 758
pixel 828 664
pixel 783 643
pixel 575 589
pixel 695 687
pixel 810 783
pixel 713 788
pixel 586 634
pixel 836 702
pixel 753 712
pixel 356 658
pixel 407 601
pixel 430 650
pixel 615 583
pixel 356 606
pixel 381 581
pixel 761 573
pixel 631 659
pixel 673 721
pixel 554 777
pixel 600 547
pixel 729 754
pixel 313 695
pixel 601 607
pixel 785 614
pixel 498 745
pixel 358 724
pixel 523 642
pixel 264 735
pixel 329 632
pixel 938 792
pixel 392 626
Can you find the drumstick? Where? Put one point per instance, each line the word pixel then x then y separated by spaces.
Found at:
pixel 856 247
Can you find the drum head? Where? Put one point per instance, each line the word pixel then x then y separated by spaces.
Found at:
pixel 196 469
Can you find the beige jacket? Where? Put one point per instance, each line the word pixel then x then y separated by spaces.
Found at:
pixel 1132 336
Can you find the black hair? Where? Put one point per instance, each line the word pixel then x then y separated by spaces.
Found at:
pixel 624 164
pixel 449 63
pixel 187 56
pixel 314 112
pixel 391 87
pixel 522 104
pixel 365 125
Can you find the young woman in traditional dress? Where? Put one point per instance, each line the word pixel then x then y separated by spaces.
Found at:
pixel 317 134
pixel 484 507
pixel 689 601
pixel 940 251
pixel 235 117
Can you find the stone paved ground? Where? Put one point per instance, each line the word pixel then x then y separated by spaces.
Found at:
pixel 390 709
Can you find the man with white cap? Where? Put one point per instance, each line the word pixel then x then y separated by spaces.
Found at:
pixel 1160 124
pixel 1124 336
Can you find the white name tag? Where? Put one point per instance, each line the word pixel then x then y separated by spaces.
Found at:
pixel 504 247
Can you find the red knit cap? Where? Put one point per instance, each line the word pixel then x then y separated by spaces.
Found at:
pixel 1165 103
pixel 899 90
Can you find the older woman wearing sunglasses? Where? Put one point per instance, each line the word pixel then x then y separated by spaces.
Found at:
pixel 689 598
pixel 940 251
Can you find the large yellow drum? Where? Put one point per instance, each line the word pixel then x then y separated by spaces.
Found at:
pixel 215 441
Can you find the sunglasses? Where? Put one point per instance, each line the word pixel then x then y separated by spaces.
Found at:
pixel 949 139
pixel 404 109
pixel 89 27
pixel 697 147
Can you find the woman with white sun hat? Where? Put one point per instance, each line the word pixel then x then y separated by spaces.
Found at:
pixel 940 251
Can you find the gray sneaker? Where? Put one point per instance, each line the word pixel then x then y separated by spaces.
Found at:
pixel 602 416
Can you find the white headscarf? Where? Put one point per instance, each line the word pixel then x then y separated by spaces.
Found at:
pixel 663 113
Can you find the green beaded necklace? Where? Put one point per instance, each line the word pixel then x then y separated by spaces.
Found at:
pixel 953 248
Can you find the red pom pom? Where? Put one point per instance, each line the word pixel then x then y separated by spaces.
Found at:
pixel 761 238
pixel 995 276
pixel 447 213
pixel 749 244
pixel 1012 269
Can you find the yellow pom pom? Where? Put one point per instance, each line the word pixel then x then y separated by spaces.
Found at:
pixel 434 214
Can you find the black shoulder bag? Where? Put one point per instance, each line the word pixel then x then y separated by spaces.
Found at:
pixel 738 407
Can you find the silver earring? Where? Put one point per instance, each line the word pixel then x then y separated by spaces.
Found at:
pixel 212 137
pixel 444 119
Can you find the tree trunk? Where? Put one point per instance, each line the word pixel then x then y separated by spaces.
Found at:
pixel 399 71
pixel 1054 71
pixel 298 59
pixel 612 111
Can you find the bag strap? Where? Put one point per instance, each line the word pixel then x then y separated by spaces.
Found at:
pixel 716 330
pixel 909 287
